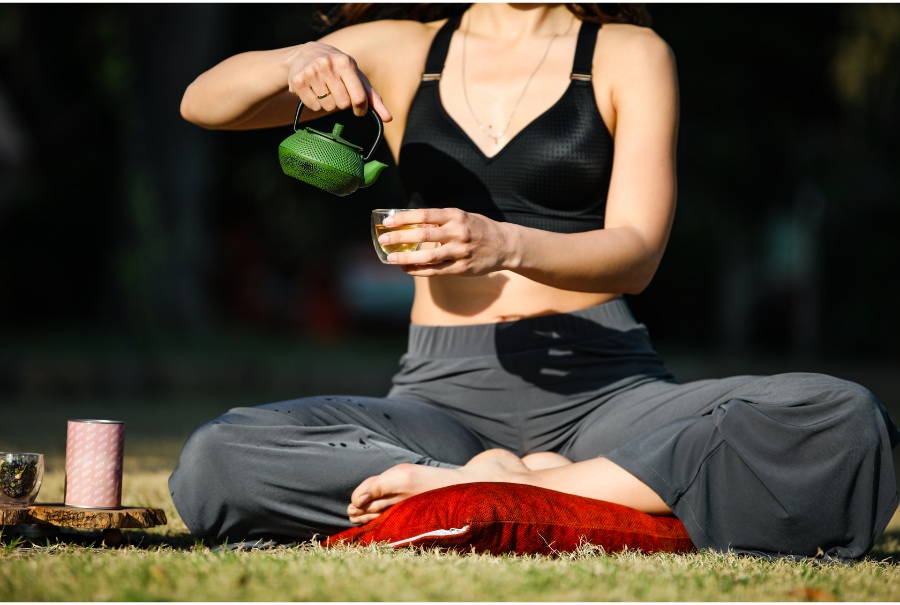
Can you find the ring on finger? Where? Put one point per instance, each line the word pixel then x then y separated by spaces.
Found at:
pixel 320 97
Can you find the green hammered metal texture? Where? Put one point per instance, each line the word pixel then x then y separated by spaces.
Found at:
pixel 329 166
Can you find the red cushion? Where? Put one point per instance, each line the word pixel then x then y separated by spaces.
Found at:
pixel 509 518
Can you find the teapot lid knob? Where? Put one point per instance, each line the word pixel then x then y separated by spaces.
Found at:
pixel 338 128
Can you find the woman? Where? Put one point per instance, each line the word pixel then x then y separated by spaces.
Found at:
pixel 537 142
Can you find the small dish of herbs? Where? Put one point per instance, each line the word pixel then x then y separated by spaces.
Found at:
pixel 20 478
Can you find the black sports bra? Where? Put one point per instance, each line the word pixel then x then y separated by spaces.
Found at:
pixel 553 175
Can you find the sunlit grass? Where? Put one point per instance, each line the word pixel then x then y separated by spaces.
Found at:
pixel 309 572
pixel 166 563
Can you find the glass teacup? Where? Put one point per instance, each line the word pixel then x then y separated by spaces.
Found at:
pixel 20 478
pixel 379 229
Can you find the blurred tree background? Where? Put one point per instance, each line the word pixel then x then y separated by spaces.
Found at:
pixel 130 239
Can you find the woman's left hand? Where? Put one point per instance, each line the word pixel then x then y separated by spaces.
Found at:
pixel 462 243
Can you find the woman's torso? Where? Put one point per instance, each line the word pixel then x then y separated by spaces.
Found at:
pixel 503 295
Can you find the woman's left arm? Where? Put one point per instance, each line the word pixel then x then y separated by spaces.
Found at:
pixel 624 255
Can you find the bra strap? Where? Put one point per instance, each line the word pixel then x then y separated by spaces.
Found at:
pixel 437 54
pixel 584 51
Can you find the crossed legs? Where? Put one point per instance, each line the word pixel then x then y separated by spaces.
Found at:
pixel 597 478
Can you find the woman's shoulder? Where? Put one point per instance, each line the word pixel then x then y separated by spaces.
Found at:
pixel 387 33
pixel 391 52
pixel 635 68
pixel 633 46
pixel 388 49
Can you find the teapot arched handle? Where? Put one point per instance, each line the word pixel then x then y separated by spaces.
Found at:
pixel 372 113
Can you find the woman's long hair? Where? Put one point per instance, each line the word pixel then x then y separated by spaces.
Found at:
pixel 342 15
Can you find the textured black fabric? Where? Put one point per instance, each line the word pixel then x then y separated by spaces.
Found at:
pixel 553 175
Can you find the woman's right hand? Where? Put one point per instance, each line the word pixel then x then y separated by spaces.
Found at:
pixel 327 79
pixel 259 89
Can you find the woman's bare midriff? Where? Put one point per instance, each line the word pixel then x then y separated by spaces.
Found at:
pixel 500 296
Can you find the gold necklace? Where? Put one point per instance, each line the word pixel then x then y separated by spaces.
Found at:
pixel 496 137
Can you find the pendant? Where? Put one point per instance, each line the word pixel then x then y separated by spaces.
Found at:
pixel 491 135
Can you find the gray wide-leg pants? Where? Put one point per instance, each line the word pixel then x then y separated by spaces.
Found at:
pixel 793 464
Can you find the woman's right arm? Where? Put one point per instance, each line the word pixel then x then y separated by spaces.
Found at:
pixel 260 89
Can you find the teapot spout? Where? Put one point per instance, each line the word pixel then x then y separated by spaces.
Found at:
pixel 371 171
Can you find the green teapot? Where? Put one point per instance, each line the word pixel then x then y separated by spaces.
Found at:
pixel 327 161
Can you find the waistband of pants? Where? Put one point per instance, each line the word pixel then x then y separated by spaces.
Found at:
pixel 521 335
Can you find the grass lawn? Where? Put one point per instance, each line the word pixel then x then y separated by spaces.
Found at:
pixel 165 563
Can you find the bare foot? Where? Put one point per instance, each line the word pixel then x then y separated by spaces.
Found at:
pixel 376 494
pixel 539 461
pixel 596 478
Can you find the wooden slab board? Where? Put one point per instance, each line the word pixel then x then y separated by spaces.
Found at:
pixel 84 518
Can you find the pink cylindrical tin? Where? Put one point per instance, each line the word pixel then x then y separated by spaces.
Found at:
pixel 94 455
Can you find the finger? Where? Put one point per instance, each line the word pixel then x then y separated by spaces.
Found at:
pixel 431 258
pixel 308 90
pixel 358 87
pixel 398 219
pixel 310 99
pixel 319 82
pixel 340 96
pixel 326 98
pixel 379 106
pixel 432 270
pixel 317 96
pixel 418 216
pixel 360 94
pixel 416 235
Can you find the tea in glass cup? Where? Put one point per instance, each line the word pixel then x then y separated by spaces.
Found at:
pixel 378 229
